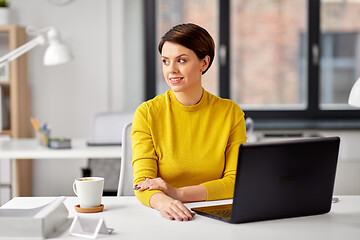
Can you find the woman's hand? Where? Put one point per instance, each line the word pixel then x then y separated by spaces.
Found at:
pixel 183 194
pixel 166 203
pixel 170 208
pixel 169 203
pixel 158 184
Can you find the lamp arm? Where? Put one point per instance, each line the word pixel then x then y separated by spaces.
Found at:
pixel 40 40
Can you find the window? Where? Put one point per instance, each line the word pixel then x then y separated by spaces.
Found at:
pixel 340 29
pixel 278 59
pixel 201 12
pixel 338 67
pixel 265 54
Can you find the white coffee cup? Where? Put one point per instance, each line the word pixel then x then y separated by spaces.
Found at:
pixel 89 191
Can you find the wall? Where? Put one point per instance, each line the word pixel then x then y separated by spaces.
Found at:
pixel 347 179
pixel 101 35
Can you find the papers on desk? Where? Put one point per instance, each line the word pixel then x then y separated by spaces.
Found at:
pixel 33 223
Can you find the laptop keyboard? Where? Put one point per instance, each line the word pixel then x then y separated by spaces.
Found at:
pixel 222 213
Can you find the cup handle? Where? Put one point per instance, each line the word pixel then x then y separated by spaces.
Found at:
pixel 74 188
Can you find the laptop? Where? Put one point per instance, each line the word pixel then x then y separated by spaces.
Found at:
pixel 281 179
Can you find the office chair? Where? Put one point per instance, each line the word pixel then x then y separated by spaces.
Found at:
pixel 125 187
pixel 106 129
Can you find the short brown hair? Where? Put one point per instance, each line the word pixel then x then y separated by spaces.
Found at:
pixel 192 37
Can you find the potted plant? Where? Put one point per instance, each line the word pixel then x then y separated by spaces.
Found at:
pixel 4 12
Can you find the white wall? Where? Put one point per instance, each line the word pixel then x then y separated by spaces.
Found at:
pixel 105 75
pixel 347 179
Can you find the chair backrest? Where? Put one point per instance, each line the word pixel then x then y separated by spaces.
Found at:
pixel 125 187
pixel 106 127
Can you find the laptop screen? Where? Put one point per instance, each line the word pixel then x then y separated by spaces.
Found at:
pixel 284 179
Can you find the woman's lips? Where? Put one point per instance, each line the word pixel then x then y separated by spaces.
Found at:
pixel 175 80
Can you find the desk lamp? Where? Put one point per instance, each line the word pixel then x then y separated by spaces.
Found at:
pixel 56 53
pixel 354 97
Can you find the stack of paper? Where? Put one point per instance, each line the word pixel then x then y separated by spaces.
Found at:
pixel 32 223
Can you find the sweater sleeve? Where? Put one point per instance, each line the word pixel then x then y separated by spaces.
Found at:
pixel 144 156
pixel 224 188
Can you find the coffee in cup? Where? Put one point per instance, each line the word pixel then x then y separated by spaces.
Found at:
pixel 89 191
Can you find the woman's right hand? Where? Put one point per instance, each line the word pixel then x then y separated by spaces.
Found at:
pixel 170 208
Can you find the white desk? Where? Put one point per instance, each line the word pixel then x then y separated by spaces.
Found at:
pixel 131 220
pixel 29 148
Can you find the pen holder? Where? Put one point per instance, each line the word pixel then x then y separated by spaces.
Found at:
pixel 43 136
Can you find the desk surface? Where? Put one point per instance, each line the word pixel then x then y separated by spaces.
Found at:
pixel 28 148
pixel 132 220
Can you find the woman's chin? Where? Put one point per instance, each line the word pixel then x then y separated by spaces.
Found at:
pixel 175 88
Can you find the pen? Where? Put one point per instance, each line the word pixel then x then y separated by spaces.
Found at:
pixel 35 123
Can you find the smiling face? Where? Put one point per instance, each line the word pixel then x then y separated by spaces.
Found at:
pixel 182 69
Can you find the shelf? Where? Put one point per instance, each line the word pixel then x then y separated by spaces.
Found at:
pixel 4 82
pixel 5 132
pixel 15 105
pixel 7 28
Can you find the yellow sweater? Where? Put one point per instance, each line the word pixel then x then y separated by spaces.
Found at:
pixel 188 145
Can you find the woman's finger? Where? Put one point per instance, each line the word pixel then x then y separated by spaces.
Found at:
pixel 186 212
pixel 142 185
pixel 174 214
pixel 167 215
pixel 181 211
pixel 151 184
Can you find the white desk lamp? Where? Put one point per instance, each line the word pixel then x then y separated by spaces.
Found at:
pixel 354 97
pixel 56 53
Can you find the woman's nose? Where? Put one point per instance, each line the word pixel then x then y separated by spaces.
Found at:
pixel 173 68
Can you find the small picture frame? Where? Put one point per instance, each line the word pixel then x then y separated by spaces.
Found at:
pixel 4 72
pixel 88 227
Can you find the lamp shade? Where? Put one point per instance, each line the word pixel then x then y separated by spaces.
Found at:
pixel 57 52
pixel 354 97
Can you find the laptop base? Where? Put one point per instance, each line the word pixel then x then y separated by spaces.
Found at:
pixel 219 212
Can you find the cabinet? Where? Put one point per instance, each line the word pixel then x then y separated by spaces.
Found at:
pixel 15 106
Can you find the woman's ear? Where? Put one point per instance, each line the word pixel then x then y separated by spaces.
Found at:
pixel 205 61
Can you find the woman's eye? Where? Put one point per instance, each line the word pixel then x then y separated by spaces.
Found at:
pixel 182 60
pixel 166 62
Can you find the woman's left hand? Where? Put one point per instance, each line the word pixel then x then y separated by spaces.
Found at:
pixel 158 184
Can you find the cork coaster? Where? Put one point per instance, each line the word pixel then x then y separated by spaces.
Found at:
pixel 89 210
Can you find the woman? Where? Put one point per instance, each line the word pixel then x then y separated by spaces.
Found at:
pixel 185 141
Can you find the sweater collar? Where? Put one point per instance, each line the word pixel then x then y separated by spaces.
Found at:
pixel 195 107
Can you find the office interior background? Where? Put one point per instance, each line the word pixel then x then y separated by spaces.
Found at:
pixel 264 62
